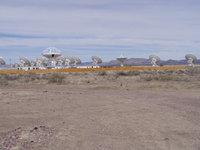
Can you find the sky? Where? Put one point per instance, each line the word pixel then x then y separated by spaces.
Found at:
pixel 105 28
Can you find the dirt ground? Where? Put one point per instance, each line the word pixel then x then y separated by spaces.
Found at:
pixel 107 116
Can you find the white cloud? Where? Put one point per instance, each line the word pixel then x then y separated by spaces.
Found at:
pixel 167 25
pixel 94 41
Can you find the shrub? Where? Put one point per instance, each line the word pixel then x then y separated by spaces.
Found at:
pixel 165 77
pixel 12 76
pixel 135 73
pixel 3 82
pixel 29 77
pixel 146 77
pixel 128 73
pixel 102 73
pixel 158 77
pixel 122 73
pixel 56 78
pixel 193 70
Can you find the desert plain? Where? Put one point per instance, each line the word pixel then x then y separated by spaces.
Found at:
pixel 129 110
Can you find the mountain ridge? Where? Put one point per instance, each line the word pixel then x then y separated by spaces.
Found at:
pixel 146 62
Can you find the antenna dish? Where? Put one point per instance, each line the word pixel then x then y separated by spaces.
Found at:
pixel 96 60
pixel 76 60
pixel 69 60
pixel 24 62
pixel 121 59
pixel 154 60
pixel 60 61
pixel 41 62
pixel 33 63
pixel 51 52
pixel 190 59
pixel 2 62
pixel 16 65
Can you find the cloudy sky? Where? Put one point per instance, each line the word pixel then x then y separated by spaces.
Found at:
pixel 106 28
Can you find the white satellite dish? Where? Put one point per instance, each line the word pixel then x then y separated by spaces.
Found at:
pixel 154 60
pixel 2 62
pixel 51 53
pixel 96 60
pixel 33 63
pixel 190 59
pixel 16 65
pixel 41 62
pixel 76 60
pixel 69 60
pixel 60 61
pixel 24 62
pixel 121 59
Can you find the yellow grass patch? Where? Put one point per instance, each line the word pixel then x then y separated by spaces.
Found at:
pixel 93 69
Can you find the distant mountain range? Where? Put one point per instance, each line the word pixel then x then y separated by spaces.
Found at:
pixel 146 62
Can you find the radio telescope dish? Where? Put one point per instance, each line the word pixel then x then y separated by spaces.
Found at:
pixel 76 60
pixel 121 59
pixel 60 61
pixel 24 62
pixel 2 62
pixel 69 60
pixel 96 60
pixel 190 59
pixel 154 60
pixel 16 65
pixel 51 52
pixel 33 63
pixel 41 62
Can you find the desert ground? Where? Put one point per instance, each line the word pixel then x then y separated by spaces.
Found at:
pixel 148 110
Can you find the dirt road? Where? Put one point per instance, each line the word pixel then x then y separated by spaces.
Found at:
pixel 68 117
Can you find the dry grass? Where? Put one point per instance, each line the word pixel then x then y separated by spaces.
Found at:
pixel 159 77
pixel 108 77
pixel 3 82
pixel 102 73
pixel 126 68
pixel 56 78
pixel 193 70
pixel 128 73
